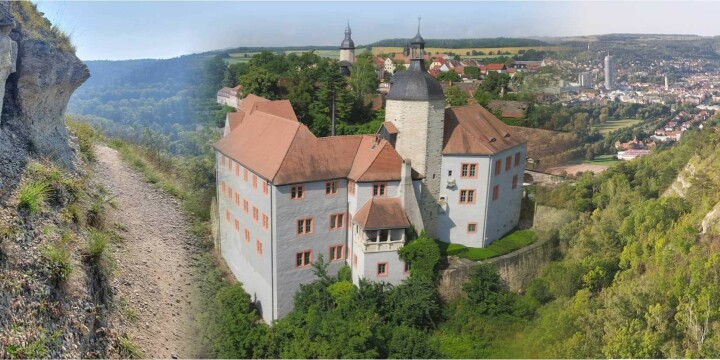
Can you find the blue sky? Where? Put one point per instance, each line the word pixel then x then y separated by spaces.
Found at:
pixel 118 30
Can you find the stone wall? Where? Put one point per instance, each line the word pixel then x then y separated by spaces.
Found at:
pixel 517 268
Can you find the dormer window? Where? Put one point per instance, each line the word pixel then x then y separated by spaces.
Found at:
pixel 379 190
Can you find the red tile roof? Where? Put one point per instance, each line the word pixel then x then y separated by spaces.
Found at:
pixel 270 141
pixel 495 67
pixel 382 213
pixel 234 119
pixel 472 130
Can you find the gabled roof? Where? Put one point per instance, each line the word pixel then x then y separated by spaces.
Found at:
pixel 314 159
pixel 249 102
pixel 248 143
pixel 376 160
pixel 234 119
pixel 382 213
pixel 472 130
pixel 281 108
pixel 495 67
pixel 266 137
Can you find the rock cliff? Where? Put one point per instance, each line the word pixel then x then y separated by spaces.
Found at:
pixel 35 95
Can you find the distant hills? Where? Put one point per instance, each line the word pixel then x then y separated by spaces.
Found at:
pixel 463 43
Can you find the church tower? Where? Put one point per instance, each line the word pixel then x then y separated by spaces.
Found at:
pixel 347 48
pixel 416 106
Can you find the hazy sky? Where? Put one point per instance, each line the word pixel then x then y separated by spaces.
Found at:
pixel 129 30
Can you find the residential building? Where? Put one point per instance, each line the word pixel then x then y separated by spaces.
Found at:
pixel 230 96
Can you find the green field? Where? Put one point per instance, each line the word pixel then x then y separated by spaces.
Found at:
pixel 615 124
pixel 606 160
pixel 509 243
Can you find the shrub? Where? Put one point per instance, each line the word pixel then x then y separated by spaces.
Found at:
pixel 33 195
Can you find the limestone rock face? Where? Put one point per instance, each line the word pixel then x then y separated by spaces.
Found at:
pixel 36 95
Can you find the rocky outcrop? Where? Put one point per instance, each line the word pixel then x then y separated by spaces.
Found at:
pixel 683 181
pixel 35 96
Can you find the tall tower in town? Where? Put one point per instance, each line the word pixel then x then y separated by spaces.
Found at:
pixel 609 72
pixel 347 48
pixel 416 106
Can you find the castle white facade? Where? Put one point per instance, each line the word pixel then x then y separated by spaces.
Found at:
pixel 285 196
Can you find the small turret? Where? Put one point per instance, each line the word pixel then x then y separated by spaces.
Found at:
pixel 347 47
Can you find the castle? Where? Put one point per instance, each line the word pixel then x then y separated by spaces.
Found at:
pixel 285 196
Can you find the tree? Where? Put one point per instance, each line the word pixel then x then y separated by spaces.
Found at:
pixel 214 73
pixel 331 81
pixel 413 303
pixel 494 82
pixel 483 98
pixel 448 76
pixel 487 292
pixel 233 331
pixel 363 79
pixel 423 255
pixel 233 74
pixel 455 96
pixel 260 82
pixel 409 343
pixel 472 72
pixel 273 63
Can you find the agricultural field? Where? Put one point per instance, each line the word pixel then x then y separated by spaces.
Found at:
pixel 604 160
pixel 613 124
pixel 463 51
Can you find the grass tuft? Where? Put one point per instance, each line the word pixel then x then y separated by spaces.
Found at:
pixel 59 262
pixel 97 243
pixel 33 196
pixel 128 349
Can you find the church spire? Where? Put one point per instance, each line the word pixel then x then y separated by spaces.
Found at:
pixel 348 43
pixel 417 51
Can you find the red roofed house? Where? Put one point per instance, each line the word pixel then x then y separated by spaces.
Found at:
pixel 286 197
pixel 500 68
pixel 230 96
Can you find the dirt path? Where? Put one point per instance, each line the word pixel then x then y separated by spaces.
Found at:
pixel 155 287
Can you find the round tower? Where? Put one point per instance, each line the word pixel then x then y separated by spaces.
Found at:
pixel 347 48
pixel 416 106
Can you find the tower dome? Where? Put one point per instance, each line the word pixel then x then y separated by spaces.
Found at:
pixel 415 84
pixel 347 43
